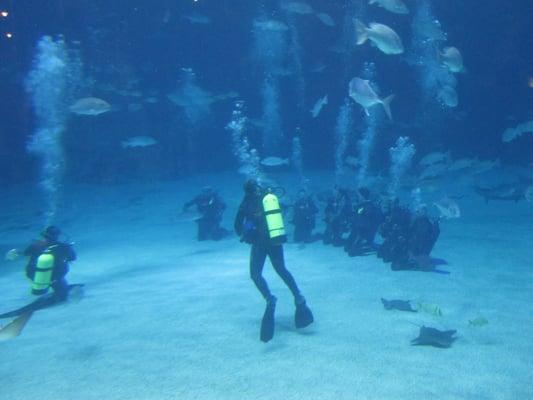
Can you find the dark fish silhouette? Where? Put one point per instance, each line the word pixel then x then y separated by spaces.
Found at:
pixel 401 305
pixel 503 192
pixel 434 337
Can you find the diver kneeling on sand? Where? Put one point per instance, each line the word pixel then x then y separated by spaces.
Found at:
pixel 47 267
pixel 259 222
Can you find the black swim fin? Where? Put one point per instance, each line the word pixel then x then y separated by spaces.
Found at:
pixel 303 316
pixel 45 301
pixel 267 323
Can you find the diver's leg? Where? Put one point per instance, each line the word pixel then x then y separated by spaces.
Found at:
pixel 275 253
pixel 257 261
pixel 60 287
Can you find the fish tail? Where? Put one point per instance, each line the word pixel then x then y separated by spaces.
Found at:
pixel 386 105
pixel 361 32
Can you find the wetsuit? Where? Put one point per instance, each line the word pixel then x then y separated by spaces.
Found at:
pixel 63 253
pixel 250 225
pixel 303 218
pixel 211 206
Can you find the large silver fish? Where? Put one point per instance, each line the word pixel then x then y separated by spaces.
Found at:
pixel 395 6
pixel 90 106
pixel 452 59
pixel 362 93
pixel 381 35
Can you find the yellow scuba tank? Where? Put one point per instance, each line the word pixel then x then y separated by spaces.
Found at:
pixel 274 218
pixel 43 273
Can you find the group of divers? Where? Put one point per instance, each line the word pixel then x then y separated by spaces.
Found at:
pixel 352 220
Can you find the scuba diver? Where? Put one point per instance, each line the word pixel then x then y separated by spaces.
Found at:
pixel 423 234
pixel 211 207
pixel 304 211
pixel 336 216
pixel 259 222
pixel 395 233
pixel 47 267
pixel 365 221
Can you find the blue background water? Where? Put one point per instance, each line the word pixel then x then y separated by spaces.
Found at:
pixel 151 42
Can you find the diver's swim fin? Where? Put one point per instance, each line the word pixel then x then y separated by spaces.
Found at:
pixel 303 316
pixel 15 327
pixel 267 323
pixel 45 301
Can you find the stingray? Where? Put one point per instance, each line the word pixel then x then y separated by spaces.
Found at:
pixel 401 305
pixel 15 327
pixel 49 300
pixel 434 337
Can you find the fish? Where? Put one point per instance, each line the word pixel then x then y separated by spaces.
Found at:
pixel 274 161
pixel 431 309
pixel 505 192
pixel 528 194
pixel 195 18
pixel 395 6
pixel 138 141
pixel 326 19
pixel 448 208
pixel 400 305
pixel 270 25
pixel 362 93
pixel 462 163
pixel 434 158
pixel 297 7
pixel 15 327
pixel 452 59
pixel 428 336
pixel 381 35
pixel 478 322
pixel 512 133
pixel 447 95
pixel 90 106
pixel 434 171
pixel 320 103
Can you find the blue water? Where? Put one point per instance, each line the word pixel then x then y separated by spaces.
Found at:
pixel 218 86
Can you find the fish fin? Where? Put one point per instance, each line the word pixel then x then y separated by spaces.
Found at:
pixel 386 105
pixel 361 32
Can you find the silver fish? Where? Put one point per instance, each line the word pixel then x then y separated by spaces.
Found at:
pixel 362 93
pixel 320 103
pixel 452 59
pixel 447 95
pixel 138 141
pixel 395 6
pixel 90 106
pixel 326 19
pixel 274 161
pixel 448 208
pixel 381 35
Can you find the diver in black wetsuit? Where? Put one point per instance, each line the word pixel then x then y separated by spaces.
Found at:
pixel 337 216
pixel 423 234
pixel 46 254
pixel 364 224
pixel 395 233
pixel 259 223
pixel 304 211
pixel 211 207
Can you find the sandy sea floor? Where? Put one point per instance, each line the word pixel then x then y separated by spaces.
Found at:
pixel 167 317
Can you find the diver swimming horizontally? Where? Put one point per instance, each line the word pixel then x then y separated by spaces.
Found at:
pixel 259 222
